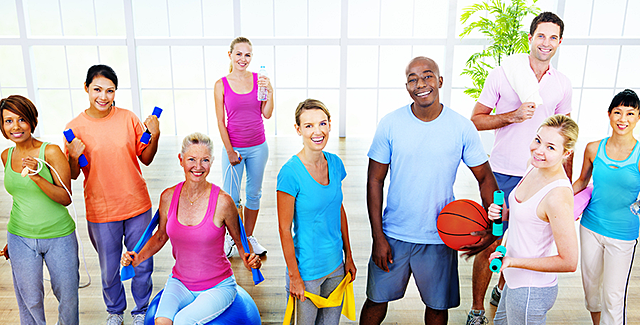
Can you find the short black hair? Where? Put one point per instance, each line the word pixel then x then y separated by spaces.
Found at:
pixel 627 98
pixel 546 17
pixel 101 70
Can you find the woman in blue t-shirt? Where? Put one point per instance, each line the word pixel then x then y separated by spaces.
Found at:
pixel 609 230
pixel 310 198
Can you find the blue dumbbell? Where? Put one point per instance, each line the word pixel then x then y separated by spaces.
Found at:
pixel 82 160
pixel 498 199
pixel 157 111
pixel 496 263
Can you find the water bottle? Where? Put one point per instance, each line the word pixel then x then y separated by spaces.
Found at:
pixel 262 91
pixel 635 207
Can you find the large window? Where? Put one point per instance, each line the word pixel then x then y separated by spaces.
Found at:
pixel 351 54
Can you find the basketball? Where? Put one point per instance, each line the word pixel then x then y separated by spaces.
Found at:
pixel 459 218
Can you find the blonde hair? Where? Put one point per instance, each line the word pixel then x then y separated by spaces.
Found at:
pixel 239 39
pixel 567 127
pixel 196 138
pixel 308 104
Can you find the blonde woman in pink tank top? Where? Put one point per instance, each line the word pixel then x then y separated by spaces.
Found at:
pixel 240 115
pixel 540 213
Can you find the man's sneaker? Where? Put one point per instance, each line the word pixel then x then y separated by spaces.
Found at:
pixel 138 319
pixel 476 317
pixel 115 319
pixel 228 245
pixel 495 296
pixel 257 248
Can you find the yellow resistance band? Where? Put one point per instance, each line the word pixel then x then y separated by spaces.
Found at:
pixel 343 294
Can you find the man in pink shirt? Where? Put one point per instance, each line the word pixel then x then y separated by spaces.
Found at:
pixel 515 124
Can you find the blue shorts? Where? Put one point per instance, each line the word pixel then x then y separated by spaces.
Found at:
pixel 506 183
pixel 434 268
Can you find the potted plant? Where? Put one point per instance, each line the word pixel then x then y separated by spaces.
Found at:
pixel 503 27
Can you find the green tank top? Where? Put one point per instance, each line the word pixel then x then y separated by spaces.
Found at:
pixel 34 214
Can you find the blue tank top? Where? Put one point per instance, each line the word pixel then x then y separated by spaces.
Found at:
pixel 616 184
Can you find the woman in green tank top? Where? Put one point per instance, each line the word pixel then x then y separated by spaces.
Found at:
pixel 40 227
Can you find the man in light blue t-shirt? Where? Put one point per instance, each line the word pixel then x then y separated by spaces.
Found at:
pixel 420 145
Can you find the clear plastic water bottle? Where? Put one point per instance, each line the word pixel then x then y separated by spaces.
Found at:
pixel 635 207
pixel 262 91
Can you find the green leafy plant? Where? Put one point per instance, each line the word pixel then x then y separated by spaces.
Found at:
pixel 503 27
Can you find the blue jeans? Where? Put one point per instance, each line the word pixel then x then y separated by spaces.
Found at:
pixel 184 306
pixel 61 256
pixel 254 159
pixel 107 240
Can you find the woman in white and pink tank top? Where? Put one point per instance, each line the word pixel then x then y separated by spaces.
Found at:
pixel 540 214
pixel 194 215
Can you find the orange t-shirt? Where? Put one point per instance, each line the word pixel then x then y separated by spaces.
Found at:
pixel 114 189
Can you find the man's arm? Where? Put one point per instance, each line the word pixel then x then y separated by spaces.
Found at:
pixel 484 120
pixel 488 185
pixel 381 251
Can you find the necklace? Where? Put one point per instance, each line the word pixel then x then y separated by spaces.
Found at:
pixel 194 201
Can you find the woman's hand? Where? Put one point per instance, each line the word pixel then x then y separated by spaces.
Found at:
pixel 75 148
pixel 129 258
pixel 494 212
pixel 506 261
pixel 264 81
pixel 252 261
pixel 234 157
pixel 350 267
pixel 153 125
pixel 296 287
pixel 31 163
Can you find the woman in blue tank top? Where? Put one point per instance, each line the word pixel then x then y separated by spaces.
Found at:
pixel 609 230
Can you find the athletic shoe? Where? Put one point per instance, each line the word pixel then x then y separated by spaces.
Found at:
pixel 476 317
pixel 115 319
pixel 228 245
pixel 138 319
pixel 495 296
pixel 257 248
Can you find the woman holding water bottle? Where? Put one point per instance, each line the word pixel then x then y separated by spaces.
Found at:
pixel 240 109
pixel 609 230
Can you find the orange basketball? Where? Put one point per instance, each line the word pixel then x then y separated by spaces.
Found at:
pixel 459 218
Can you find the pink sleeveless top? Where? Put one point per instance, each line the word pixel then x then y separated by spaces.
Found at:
pixel 530 237
pixel 244 116
pixel 198 250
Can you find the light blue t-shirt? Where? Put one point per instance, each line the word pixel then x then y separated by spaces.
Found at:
pixel 423 159
pixel 317 235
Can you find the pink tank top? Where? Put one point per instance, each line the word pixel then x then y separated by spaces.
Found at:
pixel 198 250
pixel 244 116
pixel 530 237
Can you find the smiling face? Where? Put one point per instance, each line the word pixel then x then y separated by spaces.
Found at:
pixel 547 148
pixel 623 119
pixel 240 56
pixel 196 162
pixel 314 128
pixel 15 127
pixel 545 41
pixel 424 82
pixel 102 92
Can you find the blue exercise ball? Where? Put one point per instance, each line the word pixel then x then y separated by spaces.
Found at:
pixel 242 311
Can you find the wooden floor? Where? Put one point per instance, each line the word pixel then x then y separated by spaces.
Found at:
pixel 270 295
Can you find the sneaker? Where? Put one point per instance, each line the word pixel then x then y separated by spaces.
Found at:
pixel 257 248
pixel 228 245
pixel 495 296
pixel 115 319
pixel 138 319
pixel 476 317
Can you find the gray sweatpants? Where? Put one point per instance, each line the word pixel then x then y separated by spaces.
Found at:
pixel 525 306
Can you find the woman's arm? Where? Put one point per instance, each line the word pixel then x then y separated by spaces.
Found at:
pixel 148 153
pixel 267 106
pixel 75 148
pixel 587 167
pixel 218 92
pixel 159 238
pixel 286 206
pixel 349 265
pixel 55 191
pixel 557 206
pixel 227 214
